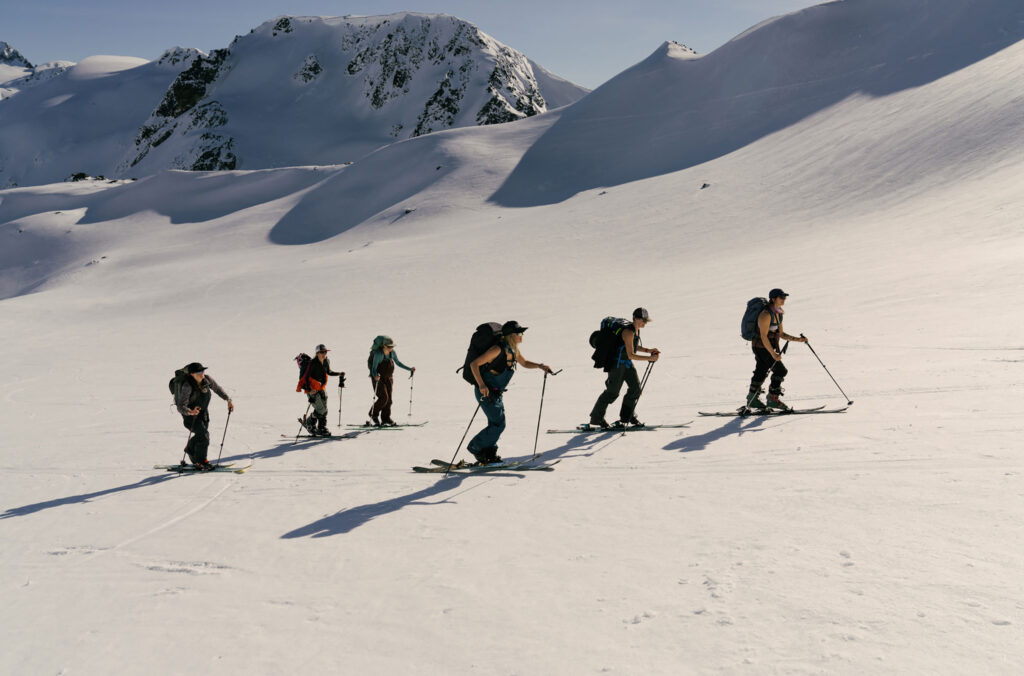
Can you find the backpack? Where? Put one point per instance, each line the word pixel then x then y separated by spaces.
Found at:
pixel 484 338
pixel 303 360
pixel 748 326
pixel 607 339
pixel 174 384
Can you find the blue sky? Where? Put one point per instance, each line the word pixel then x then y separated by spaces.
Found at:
pixel 587 42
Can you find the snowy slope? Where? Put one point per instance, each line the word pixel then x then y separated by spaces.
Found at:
pixel 674 111
pixel 887 539
pixel 81 117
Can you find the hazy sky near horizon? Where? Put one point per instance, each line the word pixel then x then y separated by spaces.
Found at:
pixel 586 41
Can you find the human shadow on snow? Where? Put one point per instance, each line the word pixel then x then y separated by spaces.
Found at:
pixel 288 445
pixel 700 442
pixel 347 520
pixel 83 498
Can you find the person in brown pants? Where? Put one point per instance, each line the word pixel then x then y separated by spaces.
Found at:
pixel 382 362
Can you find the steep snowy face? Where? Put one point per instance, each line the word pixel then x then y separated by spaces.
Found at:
pixel 316 90
pixel 9 56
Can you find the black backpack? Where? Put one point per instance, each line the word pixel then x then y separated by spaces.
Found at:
pixel 748 326
pixel 303 360
pixel 484 338
pixel 607 339
pixel 174 385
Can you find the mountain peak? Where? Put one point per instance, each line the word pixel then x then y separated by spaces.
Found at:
pixel 12 57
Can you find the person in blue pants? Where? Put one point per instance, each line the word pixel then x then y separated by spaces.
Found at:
pixel 492 371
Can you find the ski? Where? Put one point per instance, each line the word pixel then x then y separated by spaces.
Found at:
pixel 591 429
pixel 191 469
pixel 370 426
pixel 320 437
pixel 462 467
pixel 746 412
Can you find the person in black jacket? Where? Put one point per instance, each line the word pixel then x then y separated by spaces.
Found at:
pixel 621 370
pixel 314 384
pixel 193 403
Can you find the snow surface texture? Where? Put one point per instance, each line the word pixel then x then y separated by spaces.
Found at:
pixel 295 90
pixel 887 539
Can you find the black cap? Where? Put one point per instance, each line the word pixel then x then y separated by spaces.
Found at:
pixel 642 313
pixel 195 367
pixel 776 293
pixel 322 348
pixel 508 328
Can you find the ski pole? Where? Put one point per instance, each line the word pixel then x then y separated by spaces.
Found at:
pixel 849 402
pixel 478 405
pixel 647 374
pixel 301 425
pixel 184 451
pixel 536 436
pixel 223 438
pixel 410 393
pixel 340 386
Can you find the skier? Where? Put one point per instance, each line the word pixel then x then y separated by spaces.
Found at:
pixel 382 362
pixel 314 384
pixel 492 372
pixel 193 403
pixel 621 370
pixel 767 355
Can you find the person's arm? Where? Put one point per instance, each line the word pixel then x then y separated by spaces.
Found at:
pixel 221 393
pixel 631 354
pixel 474 367
pixel 764 321
pixel 398 363
pixel 526 363
pixel 181 402
pixel 786 336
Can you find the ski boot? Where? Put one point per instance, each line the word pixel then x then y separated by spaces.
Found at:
pixel 309 424
pixel 321 428
pixel 775 403
pixel 632 421
pixel 598 424
pixel 388 423
pixel 754 402
pixel 203 465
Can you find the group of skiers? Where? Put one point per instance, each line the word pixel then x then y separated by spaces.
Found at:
pixel 491 361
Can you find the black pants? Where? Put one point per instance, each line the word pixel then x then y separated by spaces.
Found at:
pixel 765 362
pixel 612 387
pixel 199 442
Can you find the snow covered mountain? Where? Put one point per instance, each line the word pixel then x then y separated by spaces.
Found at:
pixel 316 90
pixel 294 91
pixel 11 57
pixel 16 73
pixel 886 539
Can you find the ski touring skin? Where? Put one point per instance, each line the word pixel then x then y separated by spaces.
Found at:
pixel 744 412
pixel 462 467
pixel 594 429
pixel 191 469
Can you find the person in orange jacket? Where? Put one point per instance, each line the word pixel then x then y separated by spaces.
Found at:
pixel 314 384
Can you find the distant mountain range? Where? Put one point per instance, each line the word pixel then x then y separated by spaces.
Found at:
pixel 294 91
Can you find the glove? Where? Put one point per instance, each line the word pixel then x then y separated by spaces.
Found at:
pixel 341 379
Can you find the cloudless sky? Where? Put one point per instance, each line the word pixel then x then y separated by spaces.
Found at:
pixel 586 41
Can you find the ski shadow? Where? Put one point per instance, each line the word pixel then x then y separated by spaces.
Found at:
pixel 347 520
pixel 700 442
pixel 84 497
pixel 289 445
pixel 588 443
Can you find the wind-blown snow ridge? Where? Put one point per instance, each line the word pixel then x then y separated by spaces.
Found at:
pixel 673 111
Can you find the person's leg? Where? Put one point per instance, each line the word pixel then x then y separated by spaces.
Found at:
pixel 627 412
pixel 487 438
pixel 612 386
pixel 385 412
pixel 763 361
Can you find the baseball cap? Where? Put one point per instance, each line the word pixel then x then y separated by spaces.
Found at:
pixel 642 313
pixel 508 328
pixel 195 367
pixel 776 293
pixel 322 348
